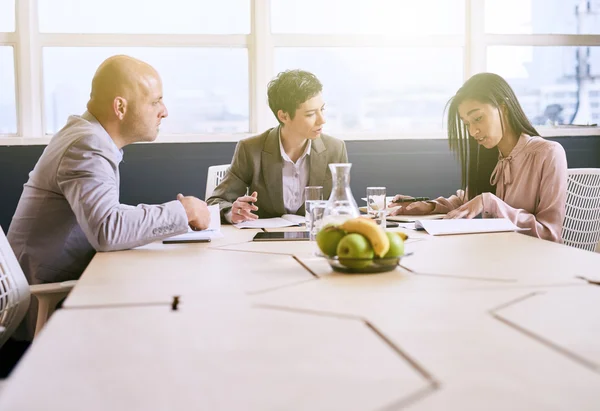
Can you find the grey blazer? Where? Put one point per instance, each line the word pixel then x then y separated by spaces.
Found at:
pixel 70 207
pixel 257 164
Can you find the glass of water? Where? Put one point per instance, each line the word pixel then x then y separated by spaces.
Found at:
pixel 311 194
pixel 317 212
pixel 375 200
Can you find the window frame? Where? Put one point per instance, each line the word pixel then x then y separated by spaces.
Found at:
pixel 28 42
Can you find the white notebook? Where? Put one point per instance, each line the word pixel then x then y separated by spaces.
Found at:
pixel 212 232
pixel 286 220
pixel 466 226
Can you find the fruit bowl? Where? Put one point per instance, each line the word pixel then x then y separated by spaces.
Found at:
pixel 363 265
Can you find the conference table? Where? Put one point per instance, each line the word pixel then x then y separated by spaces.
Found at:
pixel 493 321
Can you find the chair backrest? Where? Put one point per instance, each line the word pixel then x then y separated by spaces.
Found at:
pixel 581 227
pixel 215 175
pixel 14 291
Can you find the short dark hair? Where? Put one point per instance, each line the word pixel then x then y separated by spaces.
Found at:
pixel 290 89
pixel 477 163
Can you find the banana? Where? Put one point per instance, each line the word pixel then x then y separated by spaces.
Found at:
pixel 375 234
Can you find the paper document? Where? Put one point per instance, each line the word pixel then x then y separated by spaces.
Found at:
pixel 466 226
pixel 213 231
pixel 412 218
pixel 286 220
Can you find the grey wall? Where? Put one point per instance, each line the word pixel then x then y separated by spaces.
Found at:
pixel 155 173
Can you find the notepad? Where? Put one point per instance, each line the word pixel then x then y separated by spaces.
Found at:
pixel 466 226
pixel 286 220
pixel 212 232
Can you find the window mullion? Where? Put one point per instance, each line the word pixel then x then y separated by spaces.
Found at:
pixel 260 60
pixel 28 63
pixel 475 46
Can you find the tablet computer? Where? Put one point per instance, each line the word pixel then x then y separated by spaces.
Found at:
pixel 282 236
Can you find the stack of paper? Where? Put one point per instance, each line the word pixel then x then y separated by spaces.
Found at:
pixel 412 218
pixel 466 226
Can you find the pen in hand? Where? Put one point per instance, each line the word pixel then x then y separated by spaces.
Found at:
pixel 254 194
pixel 248 194
pixel 410 200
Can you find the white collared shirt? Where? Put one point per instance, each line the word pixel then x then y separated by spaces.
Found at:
pixel 294 178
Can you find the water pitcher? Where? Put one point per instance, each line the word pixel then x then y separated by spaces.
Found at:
pixel 341 205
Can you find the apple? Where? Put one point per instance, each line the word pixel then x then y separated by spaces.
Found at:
pixel 355 246
pixel 328 238
pixel 396 245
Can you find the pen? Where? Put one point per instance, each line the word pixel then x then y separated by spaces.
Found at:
pixel 197 240
pixel 410 200
pixel 248 193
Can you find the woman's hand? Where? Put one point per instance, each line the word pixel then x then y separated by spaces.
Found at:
pixel 470 209
pixel 411 208
pixel 242 208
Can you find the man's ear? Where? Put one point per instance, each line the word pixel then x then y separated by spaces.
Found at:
pixel 283 117
pixel 120 107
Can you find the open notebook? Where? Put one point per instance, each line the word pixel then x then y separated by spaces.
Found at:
pixel 286 220
pixel 467 226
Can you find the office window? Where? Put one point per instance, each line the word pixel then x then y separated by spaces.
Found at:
pixel 7 15
pixel 145 16
pixel 8 107
pixel 368 17
pixel 547 82
pixel 542 16
pixel 380 89
pixel 388 66
pixel 205 89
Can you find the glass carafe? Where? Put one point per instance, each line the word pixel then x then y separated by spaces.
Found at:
pixel 341 205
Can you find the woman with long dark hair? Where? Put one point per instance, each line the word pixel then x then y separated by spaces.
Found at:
pixel 508 170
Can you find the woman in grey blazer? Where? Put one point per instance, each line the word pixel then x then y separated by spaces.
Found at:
pixel 276 165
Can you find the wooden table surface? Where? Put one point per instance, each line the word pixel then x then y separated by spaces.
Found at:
pixel 473 322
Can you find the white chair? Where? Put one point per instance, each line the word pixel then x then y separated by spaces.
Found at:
pixel 15 293
pixel 216 174
pixel 581 227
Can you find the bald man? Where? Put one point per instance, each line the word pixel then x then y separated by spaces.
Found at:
pixel 70 206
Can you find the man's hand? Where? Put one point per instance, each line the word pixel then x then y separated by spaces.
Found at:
pixel 242 209
pixel 468 210
pixel 196 210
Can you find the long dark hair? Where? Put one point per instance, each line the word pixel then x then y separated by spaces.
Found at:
pixel 477 163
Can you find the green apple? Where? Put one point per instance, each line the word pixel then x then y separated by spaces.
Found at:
pixel 396 245
pixel 328 238
pixel 355 246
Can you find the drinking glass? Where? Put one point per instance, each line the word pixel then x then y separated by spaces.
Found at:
pixel 375 200
pixel 311 194
pixel 317 212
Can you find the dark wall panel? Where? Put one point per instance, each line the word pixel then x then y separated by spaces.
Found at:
pixel 155 173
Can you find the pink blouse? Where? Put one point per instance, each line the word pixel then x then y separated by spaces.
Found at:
pixel 531 189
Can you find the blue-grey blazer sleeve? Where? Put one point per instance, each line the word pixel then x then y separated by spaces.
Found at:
pixel 88 176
